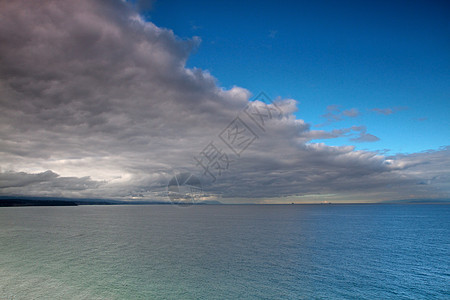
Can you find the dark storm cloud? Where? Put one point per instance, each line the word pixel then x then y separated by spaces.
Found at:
pixel 96 102
pixel 44 184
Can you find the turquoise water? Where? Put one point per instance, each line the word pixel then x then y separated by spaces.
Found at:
pixel 225 252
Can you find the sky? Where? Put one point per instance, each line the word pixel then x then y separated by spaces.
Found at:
pixel 261 102
pixel 378 57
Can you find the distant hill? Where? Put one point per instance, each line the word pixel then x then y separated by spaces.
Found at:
pixel 27 202
pixel 50 201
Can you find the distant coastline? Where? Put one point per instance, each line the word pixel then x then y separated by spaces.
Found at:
pixel 36 201
pixel 43 201
pixel 27 202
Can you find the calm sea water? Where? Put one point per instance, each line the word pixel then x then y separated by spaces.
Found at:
pixel 226 252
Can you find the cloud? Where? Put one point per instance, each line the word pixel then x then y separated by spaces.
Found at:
pixel 422 119
pixel 145 5
pixel 334 114
pixel 388 111
pixel 365 137
pixel 383 111
pixel 351 113
pixel 46 183
pixel 97 102
pixel 362 135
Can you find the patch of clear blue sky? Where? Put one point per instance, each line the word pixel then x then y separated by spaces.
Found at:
pixel 356 54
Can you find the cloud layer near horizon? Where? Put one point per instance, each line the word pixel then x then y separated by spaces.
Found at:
pixel 96 102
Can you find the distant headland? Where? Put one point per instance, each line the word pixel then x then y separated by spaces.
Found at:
pixel 38 201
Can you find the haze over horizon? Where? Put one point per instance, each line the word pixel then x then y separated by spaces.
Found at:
pixel 112 99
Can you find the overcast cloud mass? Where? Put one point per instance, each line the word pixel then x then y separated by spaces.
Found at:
pixel 96 102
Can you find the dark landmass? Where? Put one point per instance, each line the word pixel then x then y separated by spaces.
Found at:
pixel 26 202
pixel 50 201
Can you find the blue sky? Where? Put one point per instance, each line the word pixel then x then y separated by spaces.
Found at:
pixel 388 55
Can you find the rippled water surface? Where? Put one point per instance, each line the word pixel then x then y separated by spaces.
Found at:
pixel 225 252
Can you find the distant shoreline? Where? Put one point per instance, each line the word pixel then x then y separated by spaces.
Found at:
pixel 20 202
pixel 26 202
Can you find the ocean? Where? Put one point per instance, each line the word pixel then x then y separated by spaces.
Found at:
pixel 225 252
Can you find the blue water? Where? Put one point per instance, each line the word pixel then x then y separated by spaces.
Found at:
pixel 225 252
